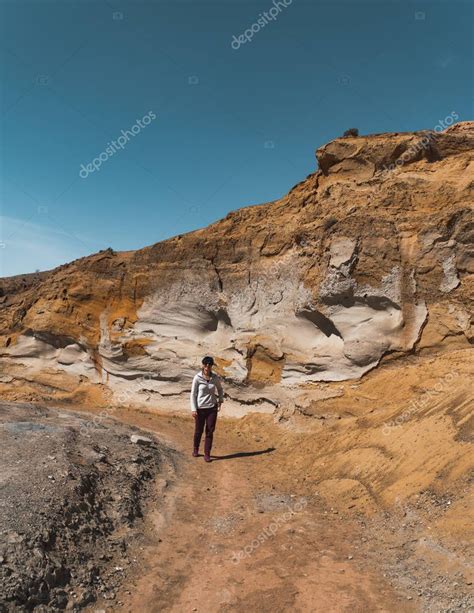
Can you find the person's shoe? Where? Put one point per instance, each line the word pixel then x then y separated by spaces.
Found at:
pixel 195 453
pixel 207 458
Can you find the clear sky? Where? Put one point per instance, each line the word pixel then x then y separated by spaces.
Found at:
pixel 228 123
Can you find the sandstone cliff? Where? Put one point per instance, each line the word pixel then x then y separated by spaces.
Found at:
pixel 365 261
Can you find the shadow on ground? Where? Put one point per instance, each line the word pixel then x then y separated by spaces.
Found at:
pixel 242 454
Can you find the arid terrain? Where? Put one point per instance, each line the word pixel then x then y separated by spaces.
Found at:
pixel 282 519
pixel 72 491
pixel 340 319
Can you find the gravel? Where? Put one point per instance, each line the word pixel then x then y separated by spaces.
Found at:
pixel 72 492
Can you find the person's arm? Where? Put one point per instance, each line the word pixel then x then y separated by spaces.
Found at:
pixel 194 392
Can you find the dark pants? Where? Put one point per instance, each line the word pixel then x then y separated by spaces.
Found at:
pixel 208 418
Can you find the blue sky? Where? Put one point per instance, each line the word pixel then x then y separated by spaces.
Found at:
pixel 232 127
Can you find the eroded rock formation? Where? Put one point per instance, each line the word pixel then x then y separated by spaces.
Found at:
pixel 367 259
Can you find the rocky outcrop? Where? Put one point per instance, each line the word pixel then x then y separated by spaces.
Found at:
pixel 368 259
pixel 74 490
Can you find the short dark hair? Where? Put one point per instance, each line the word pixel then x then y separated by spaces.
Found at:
pixel 208 360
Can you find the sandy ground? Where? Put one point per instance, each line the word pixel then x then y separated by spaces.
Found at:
pixel 241 533
pixel 298 513
pixel 361 500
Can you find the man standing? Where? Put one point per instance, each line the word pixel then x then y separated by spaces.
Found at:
pixel 207 396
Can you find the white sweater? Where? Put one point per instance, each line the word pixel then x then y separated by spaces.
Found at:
pixel 206 394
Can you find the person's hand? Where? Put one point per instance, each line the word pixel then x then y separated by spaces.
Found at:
pixel 194 413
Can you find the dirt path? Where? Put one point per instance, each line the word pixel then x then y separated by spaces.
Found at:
pixel 223 540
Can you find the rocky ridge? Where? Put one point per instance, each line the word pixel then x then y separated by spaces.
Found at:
pixel 365 261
